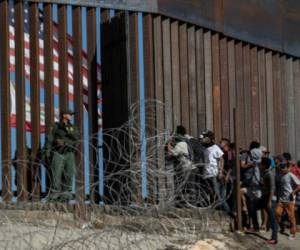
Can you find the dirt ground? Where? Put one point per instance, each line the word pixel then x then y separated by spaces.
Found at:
pixel 55 230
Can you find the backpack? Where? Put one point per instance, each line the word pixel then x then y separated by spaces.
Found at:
pixel 251 179
pixel 196 150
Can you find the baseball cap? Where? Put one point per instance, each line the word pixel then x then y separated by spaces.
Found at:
pixel 67 111
pixel 207 133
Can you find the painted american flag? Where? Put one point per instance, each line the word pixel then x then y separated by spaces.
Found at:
pixel 41 73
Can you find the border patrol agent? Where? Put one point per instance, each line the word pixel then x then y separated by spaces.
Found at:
pixel 60 148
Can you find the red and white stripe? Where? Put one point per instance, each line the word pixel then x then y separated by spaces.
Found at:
pixel 55 72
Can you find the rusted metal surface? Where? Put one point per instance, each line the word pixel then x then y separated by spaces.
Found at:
pixel 20 102
pixel 290 107
pixel 158 69
pixel 296 72
pixel 192 81
pixel 201 76
pixel 232 84
pixel 200 81
pixel 63 57
pixel 240 100
pixel 167 73
pixel 133 5
pixel 184 80
pixel 254 21
pixel 270 101
pixel 133 43
pixel 5 103
pixel 150 95
pixel 208 81
pixel 175 72
pixel 262 97
pixel 78 97
pixel 106 61
pixel 134 86
pixel 216 86
pixel 254 94
pixel 247 94
pixel 271 24
pixel 193 11
pixel 277 102
pixel 251 21
pixel 92 92
pixel 48 64
pixel 148 56
pixel 284 105
pixel 34 94
pixel 238 172
pixel 224 88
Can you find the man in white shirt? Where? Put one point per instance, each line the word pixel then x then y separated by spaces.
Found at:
pixel 180 149
pixel 178 154
pixel 213 169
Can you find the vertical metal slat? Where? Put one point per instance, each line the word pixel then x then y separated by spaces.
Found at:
pixel 262 97
pixel 5 101
pixel 158 65
pixel 63 57
pixel 254 94
pixel 48 55
pixel 34 94
pixel 184 80
pixel 276 78
pixel 175 73
pixel 240 102
pixel 284 104
pixel 200 69
pixel 216 85
pixel 192 80
pixel 208 80
pixel 296 73
pixel 225 111
pixel 270 106
pixel 167 73
pixel 20 102
pixel 231 85
pixel 247 94
pixel 92 92
pixel 78 97
pixel 290 107
pixel 149 95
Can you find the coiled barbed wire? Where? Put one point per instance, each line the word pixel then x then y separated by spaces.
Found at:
pixel 179 208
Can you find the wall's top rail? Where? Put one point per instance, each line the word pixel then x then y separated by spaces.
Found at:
pixel 273 24
pixel 134 5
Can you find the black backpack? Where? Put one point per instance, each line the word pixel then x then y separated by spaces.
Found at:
pixel 196 150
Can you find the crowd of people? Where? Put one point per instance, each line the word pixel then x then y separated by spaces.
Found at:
pixel 270 185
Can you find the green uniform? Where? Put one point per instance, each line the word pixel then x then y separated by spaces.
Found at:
pixel 61 147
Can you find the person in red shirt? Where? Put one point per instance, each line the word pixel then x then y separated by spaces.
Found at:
pixel 295 170
pixel 293 167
